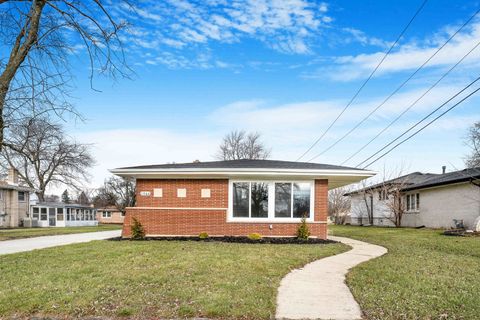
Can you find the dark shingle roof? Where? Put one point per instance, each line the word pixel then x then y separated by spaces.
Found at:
pixel 245 164
pixel 447 178
pixel 418 180
pixel 407 180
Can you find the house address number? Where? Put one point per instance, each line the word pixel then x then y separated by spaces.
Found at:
pixel 145 193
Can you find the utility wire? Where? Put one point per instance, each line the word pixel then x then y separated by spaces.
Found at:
pixel 419 122
pixel 397 89
pixel 412 105
pixel 366 81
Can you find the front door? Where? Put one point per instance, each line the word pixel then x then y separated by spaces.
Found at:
pixel 51 217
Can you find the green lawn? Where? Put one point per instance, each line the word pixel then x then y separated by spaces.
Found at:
pixel 425 275
pixel 17 233
pixel 151 279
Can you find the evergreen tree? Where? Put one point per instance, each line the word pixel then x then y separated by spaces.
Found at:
pixel 65 197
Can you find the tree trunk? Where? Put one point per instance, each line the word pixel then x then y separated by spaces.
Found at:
pixel 40 195
pixel 18 54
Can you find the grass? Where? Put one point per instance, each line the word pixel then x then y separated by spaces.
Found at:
pixel 18 233
pixel 151 279
pixel 425 275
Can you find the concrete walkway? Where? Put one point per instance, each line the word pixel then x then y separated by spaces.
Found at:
pixel 28 244
pixel 318 290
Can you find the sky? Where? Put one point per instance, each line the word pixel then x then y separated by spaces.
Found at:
pixel 285 69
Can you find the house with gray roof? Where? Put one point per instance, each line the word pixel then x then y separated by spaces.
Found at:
pixel 234 198
pixel 443 200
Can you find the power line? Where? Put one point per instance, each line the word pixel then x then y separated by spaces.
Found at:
pixel 420 121
pixel 397 89
pixel 412 105
pixel 366 81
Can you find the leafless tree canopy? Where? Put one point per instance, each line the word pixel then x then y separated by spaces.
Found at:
pixel 242 145
pixel 44 155
pixel 338 204
pixel 118 192
pixel 39 37
pixel 473 141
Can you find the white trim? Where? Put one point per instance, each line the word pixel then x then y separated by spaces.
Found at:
pixel 271 202
pixel 243 172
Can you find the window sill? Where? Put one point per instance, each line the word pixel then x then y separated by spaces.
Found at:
pixel 267 220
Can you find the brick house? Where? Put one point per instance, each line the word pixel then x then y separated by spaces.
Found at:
pixel 235 197
pixel 109 214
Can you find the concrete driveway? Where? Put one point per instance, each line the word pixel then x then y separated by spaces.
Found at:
pixel 28 244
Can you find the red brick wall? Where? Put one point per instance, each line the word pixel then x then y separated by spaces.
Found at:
pixel 213 219
pixel 218 197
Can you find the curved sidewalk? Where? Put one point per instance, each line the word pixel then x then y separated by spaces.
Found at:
pixel 28 244
pixel 318 290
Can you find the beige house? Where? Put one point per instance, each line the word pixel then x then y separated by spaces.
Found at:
pixel 432 200
pixel 110 214
pixel 14 201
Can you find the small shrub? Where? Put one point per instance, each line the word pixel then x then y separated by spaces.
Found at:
pixel 303 232
pixel 138 232
pixel 203 235
pixel 124 312
pixel 254 236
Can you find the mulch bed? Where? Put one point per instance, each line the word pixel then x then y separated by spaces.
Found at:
pixel 231 239
pixel 461 233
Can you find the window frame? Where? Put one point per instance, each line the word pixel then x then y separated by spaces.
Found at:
pixel 24 196
pixel 271 201
pixel 412 202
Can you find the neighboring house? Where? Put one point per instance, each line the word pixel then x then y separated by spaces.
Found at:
pixel 58 214
pixel 14 201
pixel 430 200
pixel 234 198
pixel 110 214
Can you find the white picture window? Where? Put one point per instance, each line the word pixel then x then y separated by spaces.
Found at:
pixel 157 192
pixel 205 193
pixel 279 201
pixel 107 214
pixel 181 193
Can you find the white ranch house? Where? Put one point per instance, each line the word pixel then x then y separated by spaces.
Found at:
pixel 431 200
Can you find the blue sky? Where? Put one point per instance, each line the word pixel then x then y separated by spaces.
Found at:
pixel 284 69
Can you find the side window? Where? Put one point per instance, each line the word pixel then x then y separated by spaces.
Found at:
pixel 21 196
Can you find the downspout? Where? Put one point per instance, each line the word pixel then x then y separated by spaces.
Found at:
pixel 371 210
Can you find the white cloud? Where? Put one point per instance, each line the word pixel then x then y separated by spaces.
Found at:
pixel 284 25
pixel 287 128
pixel 408 56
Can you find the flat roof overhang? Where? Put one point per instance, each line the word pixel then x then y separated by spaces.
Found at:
pixel 337 178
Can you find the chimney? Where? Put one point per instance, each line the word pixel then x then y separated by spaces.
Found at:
pixel 443 169
pixel 12 176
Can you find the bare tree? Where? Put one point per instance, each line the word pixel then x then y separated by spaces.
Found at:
pixel 242 145
pixel 338 204
pixel 365 207
pixel 39 37
pixel 104 198
pixel 44 155
pixel 473 141
pixel 391 192
pixel 116 191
